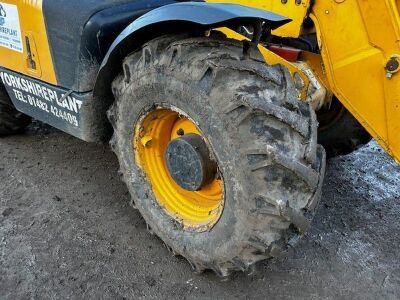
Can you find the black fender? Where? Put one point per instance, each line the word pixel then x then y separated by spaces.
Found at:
pixel 172 18
pixel 175 18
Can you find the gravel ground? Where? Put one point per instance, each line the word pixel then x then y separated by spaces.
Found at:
pixel 66 231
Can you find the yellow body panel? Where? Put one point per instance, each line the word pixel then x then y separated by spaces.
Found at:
pixel 357 39
pixel 32 27
pixel 293 9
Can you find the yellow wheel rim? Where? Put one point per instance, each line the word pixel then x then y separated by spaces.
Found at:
pixel 198 210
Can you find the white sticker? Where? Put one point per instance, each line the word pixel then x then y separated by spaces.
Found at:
pixel 10 31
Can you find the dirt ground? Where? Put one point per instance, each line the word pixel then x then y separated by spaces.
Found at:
pixel 66 231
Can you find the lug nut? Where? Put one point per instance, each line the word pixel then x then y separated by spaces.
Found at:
pixel 180 132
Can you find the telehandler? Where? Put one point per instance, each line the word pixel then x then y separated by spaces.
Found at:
pixel 216 110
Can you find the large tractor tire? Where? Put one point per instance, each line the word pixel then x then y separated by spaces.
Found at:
pixel 220 157
pixel 11 120
pixel 339 132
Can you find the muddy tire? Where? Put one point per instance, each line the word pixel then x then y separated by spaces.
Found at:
pixel 11 120
pixel 339 132
pixel 264 139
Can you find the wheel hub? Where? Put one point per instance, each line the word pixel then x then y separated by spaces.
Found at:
pixel 189 163
pixel 177 160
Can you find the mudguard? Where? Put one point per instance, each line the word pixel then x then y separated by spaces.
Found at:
pixel 173 18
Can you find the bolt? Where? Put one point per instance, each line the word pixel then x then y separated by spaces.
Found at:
pixel 392 65
pixel 180 132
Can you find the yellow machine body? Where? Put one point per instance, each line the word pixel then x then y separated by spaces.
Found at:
pixel 358 39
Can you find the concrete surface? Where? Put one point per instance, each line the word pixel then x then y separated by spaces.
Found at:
pixel 66 231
